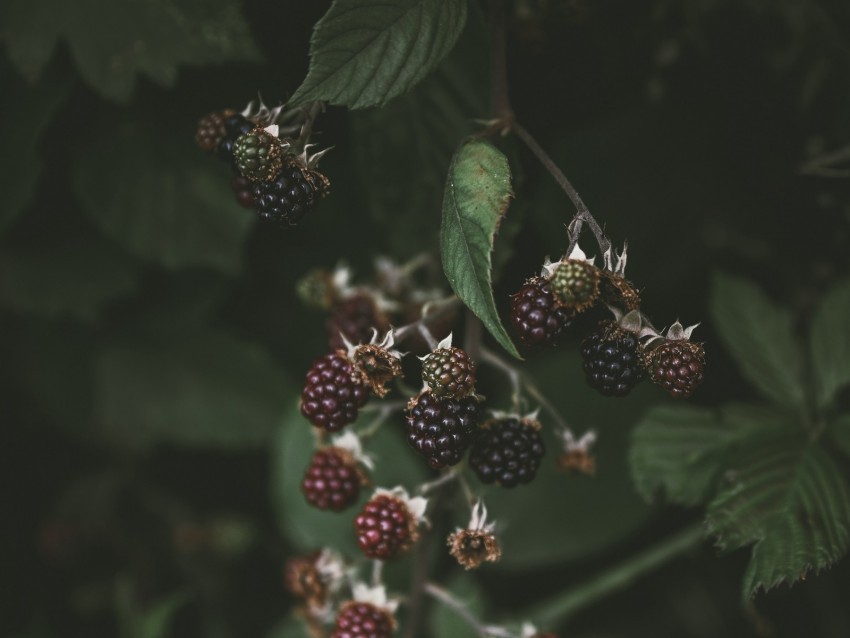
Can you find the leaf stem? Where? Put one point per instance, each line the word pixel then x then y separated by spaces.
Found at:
pixel 563 606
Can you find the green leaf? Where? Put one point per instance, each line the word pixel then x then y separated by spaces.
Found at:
pixel 759 335
pixel 289 628
pixel 681 450
pixel 163 201
pixel 424 126
pixel 839 431
pixel 789 499
pixel 113 42
pixel 75 277
pixel 27 112
pixel 307 527
pixel 365 52
pixel 200 388
pixel 830 342
pixel 477 194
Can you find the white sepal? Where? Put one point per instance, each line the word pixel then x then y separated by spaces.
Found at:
pixel 478 519
pixel 677 332
pixel 332 569
pixel 351 443
pixel 377 596
pixel 416 505
pixel 273 130
pixel 445 343
pixel 528 630
pixel 579 255
pixel 583 444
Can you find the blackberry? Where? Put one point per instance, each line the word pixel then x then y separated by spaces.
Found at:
pixel 385 527
pixel 677 366
pixel 235 126
pixel 507 451
pixel 243 188
pixel 257 155
pixel 363 620
pixel 291 195
pixel 332 480
pixel 354 317
pixel 536 317
pixel 332 396
pixel 441 429
pixel 211 129
pixel 575 284
pixel 449 373
pixel 612 360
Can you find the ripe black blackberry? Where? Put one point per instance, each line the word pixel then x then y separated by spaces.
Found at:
pixel 507 451
pixel 363 620
pixel 385 527
pixel 536 317
pixel 332 480
pixel 442 429
pixel 354 317
pixel 211 129
pixel 332 395
pixel 678 366
pixel 235 126
pixel 449 373
pixel 243 188
pixel 286 199
pixel 612 360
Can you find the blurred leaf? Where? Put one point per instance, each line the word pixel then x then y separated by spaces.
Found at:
pixel 162 200
pixel 75 277
pixel 789 499
pixel 571 517
pixel 830 339
pixel 112 42
pixel 423 126
pixel 478 191
pixel 304 525
pixel 758 334
pixel 199 388
pixel 446 622
pixel 289 628
pixel 152 622
pixel 839 430
pixel 26 114
pixel 681 450
pixel 365 52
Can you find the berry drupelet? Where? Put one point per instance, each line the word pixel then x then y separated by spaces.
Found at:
pixel 288 197
pixel 678 366
pixel 354 317
pixel 386 528
pixel 536 317
pixel 332 480
pixel 211 129
pixel 507 451
pixel 449 373
pixel 332 394
pixel 612 360
pixel 363 620
pixel 235 127
pixel 441 429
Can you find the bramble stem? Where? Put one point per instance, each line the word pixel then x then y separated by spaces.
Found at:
pixel 446 598
pixel 446 477
pixel 562 606
pixel 510 371
pixel 430 312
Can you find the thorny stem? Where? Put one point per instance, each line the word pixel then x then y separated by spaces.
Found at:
pixel 485 631
pixel 582 215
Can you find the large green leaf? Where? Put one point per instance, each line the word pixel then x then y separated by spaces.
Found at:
pixel 365 52
pixel 199 388
pixel 75 277
pixel 162 200
pixel 112 42
pixel 27 112
pixel 789 499
pixel 682 450
pixel 830 339
pixel 477 194
pixel 759 335
pixel 307 527
pixel 424 127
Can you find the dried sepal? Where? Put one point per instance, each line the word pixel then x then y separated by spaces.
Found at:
pixel 476 543
pixel 375 363
pixel 576 455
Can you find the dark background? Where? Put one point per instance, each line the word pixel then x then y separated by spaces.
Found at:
pixel 685 127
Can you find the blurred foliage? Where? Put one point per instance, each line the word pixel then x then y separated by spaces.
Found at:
pixel 153 345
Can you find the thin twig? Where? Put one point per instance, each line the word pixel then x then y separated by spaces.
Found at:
pixel 446 598
pixel 430 312
pixel 446 477
pixel 311 112
pixel 514 376
pixel 377 572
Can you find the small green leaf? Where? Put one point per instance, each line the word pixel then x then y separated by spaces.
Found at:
pixel 307 527
pixel 477 194
pixel 365 52
pixel 789 499
pixel 126 38
pixel 163 201
pixel 27 112
pixel 759 335
pixel 75 277
pixel 200 388
pixel 830 341
pixel 681 450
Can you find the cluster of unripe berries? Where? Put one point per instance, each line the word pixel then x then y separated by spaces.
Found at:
pixel 272 175
pixel 622 351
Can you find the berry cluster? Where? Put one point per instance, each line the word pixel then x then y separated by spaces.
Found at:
pixel 274 175
pixel 620 353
